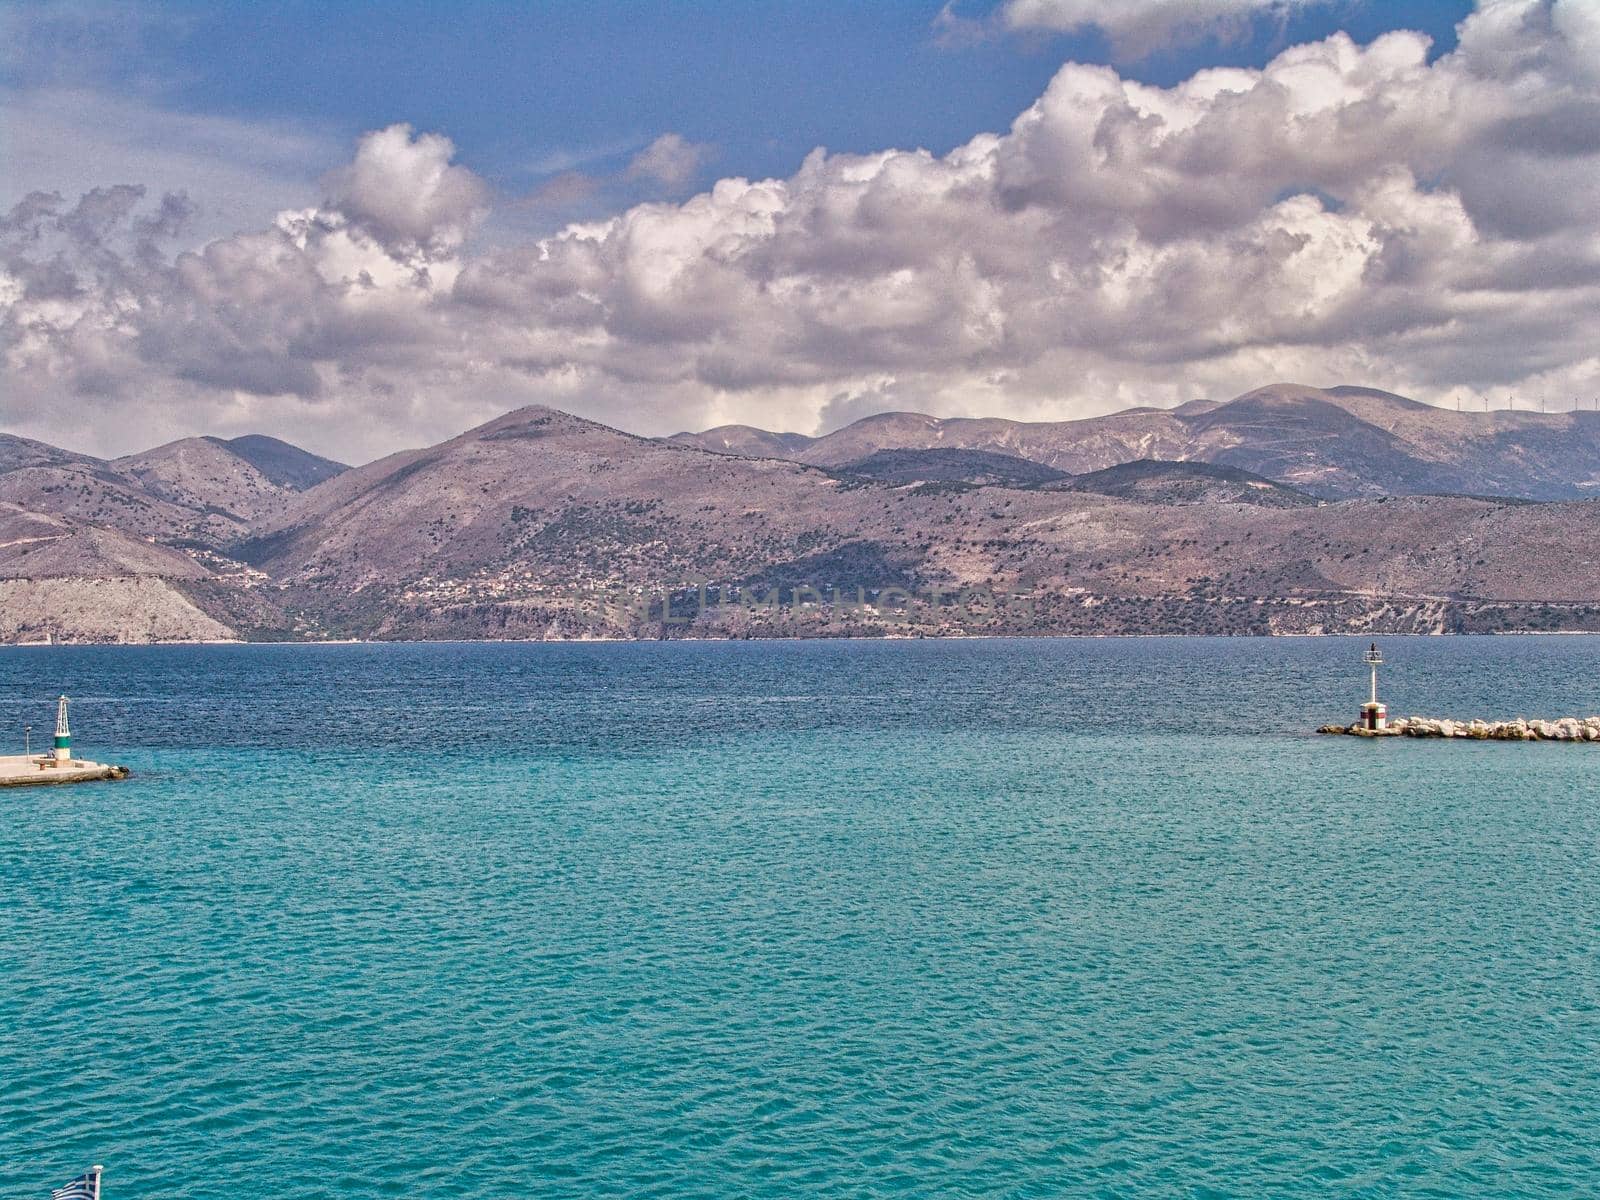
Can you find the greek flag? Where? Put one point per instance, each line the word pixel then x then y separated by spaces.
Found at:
pixel 84 1187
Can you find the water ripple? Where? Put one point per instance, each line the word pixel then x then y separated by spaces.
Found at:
pixel 954 945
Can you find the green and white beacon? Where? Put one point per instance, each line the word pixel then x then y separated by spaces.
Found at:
pixel 57 765
pixel 1374 715
pixel 63 752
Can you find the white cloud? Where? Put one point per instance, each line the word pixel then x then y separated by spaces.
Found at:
pixel 1344 214
pixel 1138 27
pixel 238 173
pixel 403 188
pixel 671 161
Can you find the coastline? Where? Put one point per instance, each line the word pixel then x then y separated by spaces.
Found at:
pixel 806 637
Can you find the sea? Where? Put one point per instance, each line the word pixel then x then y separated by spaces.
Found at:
pixel 988 918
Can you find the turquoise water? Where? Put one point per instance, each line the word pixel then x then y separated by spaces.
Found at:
pixel 1009 918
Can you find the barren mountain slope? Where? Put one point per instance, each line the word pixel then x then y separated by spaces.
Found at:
pixel 1156 482
pixel 198 491
pixel 42 479
pixel 201 473
pixel 1071 446
pixel 536 506
pixel 1336 443
pixel 552 495
pixel 136 609
pixel 543 524
pixel 948 465
pixel 17 452
pixel 41 545
pixel 746 440
pixel 284 464
pixel 67 581
pixel 1498 449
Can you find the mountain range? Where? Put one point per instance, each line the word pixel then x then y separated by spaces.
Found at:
pixel 1337 443
pixel 1289 509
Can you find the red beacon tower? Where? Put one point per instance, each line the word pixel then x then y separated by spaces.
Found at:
pixel 1374 716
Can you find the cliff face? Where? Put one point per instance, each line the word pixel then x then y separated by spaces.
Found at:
pixel 541 524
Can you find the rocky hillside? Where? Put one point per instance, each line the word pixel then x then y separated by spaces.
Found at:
pixel 131 549
pixel 1155 482
pixel 1335 443
pixel 199 491
pixel 201 474
pixel 64 580
pixel 42 479
pixel 1151 481
pixel 540 503
pixel 41 545
pixel 947 465
pixel 287 466
pixel 541 524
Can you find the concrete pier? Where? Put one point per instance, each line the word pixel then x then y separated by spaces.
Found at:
pixel 1567 729
pixel 27 770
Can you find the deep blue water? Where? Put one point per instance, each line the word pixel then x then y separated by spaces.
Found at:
pixel 1002 918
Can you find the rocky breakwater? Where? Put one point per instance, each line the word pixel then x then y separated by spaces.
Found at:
pixel 1567 729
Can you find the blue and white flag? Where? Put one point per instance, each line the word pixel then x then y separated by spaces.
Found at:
pixel 84 1187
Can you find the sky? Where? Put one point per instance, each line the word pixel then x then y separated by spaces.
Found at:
pixel 367 226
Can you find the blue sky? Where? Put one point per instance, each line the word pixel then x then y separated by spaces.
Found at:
pixel 368 226
pixel 764 82
pixel 528 90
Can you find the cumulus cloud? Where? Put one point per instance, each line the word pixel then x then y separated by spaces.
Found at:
pixel 403 188
pixel 1344 214
pixel 109 327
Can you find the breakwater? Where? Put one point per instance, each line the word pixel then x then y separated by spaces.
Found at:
pixel 1566 729
pixel 18 770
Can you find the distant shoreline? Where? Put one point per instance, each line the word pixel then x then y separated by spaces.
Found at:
pixel 943 637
